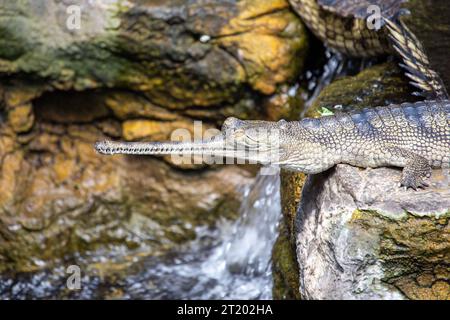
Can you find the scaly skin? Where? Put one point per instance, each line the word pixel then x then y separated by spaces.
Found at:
pixel 342 25
pixel 347 35
pixel 414 136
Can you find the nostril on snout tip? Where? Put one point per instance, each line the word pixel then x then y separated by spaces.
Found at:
pixel 102 147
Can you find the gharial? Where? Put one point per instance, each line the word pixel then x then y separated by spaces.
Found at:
pixel 413 136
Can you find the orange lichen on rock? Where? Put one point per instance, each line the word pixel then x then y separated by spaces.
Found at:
pixel 265 37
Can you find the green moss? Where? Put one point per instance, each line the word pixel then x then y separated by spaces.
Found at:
pixel 291 189
pixel 375 86
pixel 11 44
pixel 284 268
pixel 410 248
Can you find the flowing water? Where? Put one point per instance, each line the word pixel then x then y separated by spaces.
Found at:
pixel 334 66
pixel 232 261
pixel 238 266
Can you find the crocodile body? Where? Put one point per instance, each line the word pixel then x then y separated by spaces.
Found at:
pixel 344 33
pixel 414 136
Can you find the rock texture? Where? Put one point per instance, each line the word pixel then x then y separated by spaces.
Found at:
pixel 179 54
pixel 361 237
pixel 134 70
pixel 378 85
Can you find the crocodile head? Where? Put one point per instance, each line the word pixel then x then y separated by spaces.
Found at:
pixel 246 141
pixel 294 145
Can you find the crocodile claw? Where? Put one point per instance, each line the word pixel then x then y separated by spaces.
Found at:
pixel 413 182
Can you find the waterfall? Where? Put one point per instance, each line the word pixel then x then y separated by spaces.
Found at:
pixel 238 266
pixel 241 264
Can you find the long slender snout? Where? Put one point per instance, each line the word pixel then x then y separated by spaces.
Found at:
pixel 216 147
pixel 248 141
pixel 104 147
pixel 213 146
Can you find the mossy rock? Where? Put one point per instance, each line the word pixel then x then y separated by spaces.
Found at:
pixel 379 85
pixel 414 252
pixel 359 236
pixel 291 186
pixel 134 70
pixel 284 267
pixel 179 55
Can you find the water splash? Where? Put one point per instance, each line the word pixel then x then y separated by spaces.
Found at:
pixel 239 265
pixel 315 84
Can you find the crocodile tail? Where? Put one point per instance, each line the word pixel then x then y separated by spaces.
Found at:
pixel 415 61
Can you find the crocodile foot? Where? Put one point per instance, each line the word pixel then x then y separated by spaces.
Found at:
pixel 413 182
pixel 415 178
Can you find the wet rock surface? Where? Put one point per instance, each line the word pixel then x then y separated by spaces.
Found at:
pixel 59 197
pixel 168 50
pixel 402 257
pixel 136 70
pixel 228 261
pixel 357 239
pixel 379 85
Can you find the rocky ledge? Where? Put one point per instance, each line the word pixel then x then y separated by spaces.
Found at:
pixel 360 236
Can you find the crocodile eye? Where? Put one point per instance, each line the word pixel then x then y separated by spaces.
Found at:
pixel 282 124
pixel 239 133
pixel 231 122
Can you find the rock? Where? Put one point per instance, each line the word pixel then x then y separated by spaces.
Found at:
pixel 134 70
pixel 359 236
pixel 277 32
pixel 291 184
pixel 59 198
pixel 287 103
pixel 70 107
pixel 284 268
pixel 17 93
pixel 177 54
pixel 125 105
pixel 379 85
pixel 163 131
pixel 155 130
pixel 21 118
